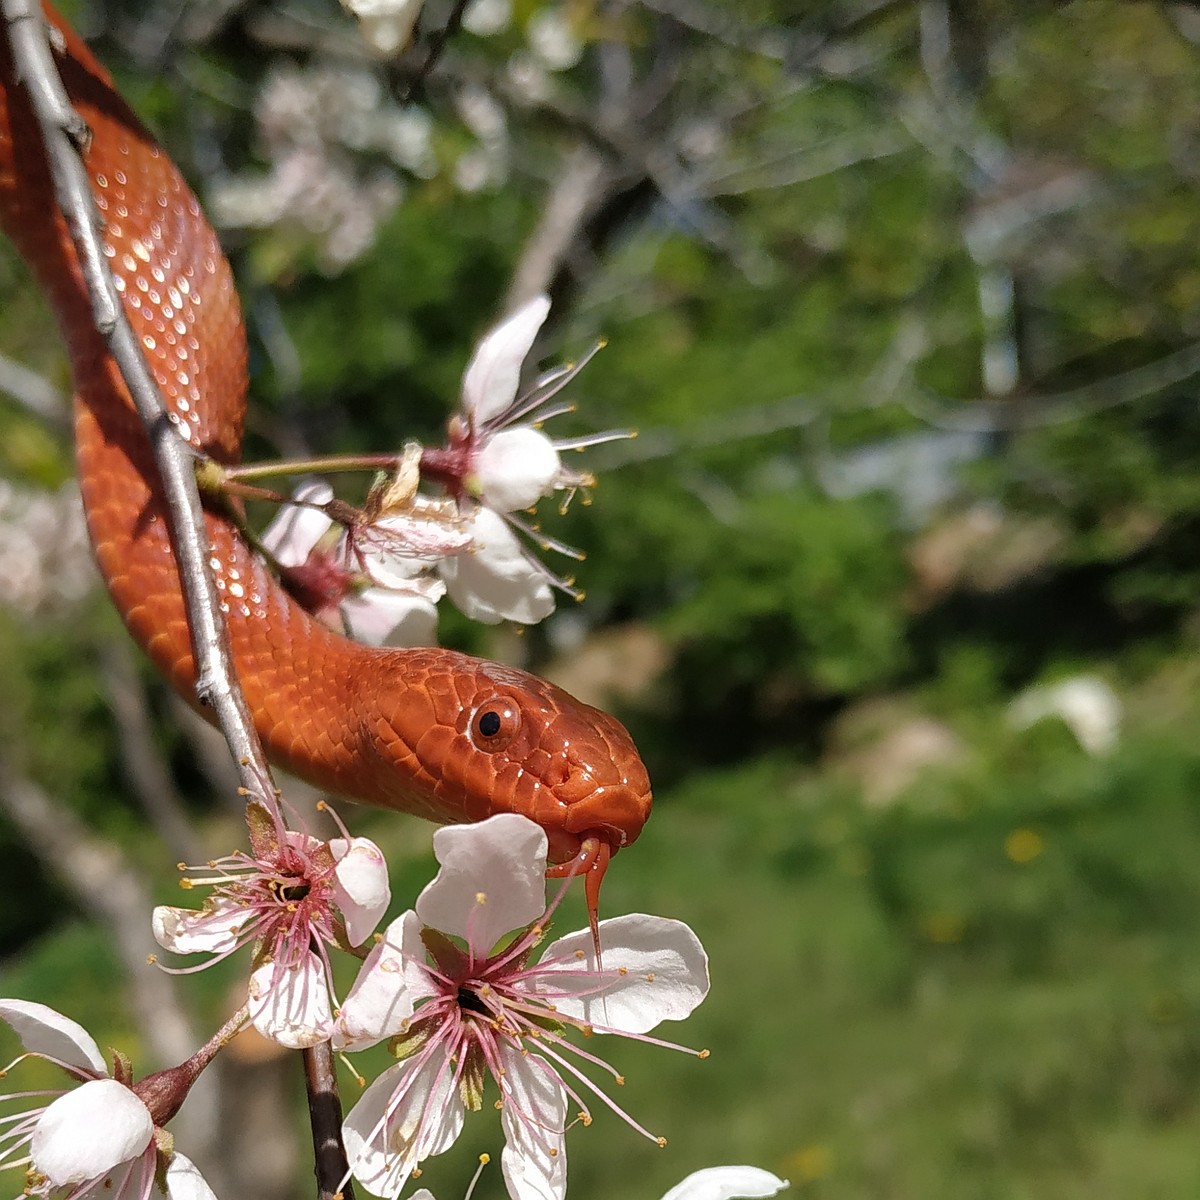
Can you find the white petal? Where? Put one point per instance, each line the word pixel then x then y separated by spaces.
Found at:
pixel 400 546
pixel 534 1116
pixel 291 536
pixel 380 617
pixel 184 1181
pixel 197 930
pixel 492 880
pixel 496 581
pixel 516 468
pixel 48 1033
pixel 727 1183
pixel 361 887
pixel 410 1113
pixel 390 983
pixel 491 379
pixel 386 24
pixel 87 1132
pixel 290 1005
pixel 656 967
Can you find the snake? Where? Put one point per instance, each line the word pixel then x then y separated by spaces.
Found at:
pixel 427 730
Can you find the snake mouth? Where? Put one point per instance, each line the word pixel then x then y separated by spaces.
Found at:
pixel 614 813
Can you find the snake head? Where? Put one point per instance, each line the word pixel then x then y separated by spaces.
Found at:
pixel 488 738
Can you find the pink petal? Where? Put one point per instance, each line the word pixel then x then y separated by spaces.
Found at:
pixel 727 1183
pixel 390 983
pixel 291 536
pixel 491 380
pixel 496 581
pixel 656 969
pixel 361 889
pixel 515 468
pixel 290 1005
pixel 533 1116
pixel 492 880
pixel 48 1033
pixel 87 1132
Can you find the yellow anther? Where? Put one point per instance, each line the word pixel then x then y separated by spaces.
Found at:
pixel 484 1159
pixel 181 866
pixel 553 1151
pixel 578 953
pixel 704 1054
pixel 186 884
pixel 481 897
pixel 660 1142
pixel 151 959
pixel 649 976
pixel 622 970
pixel 497 1104
pixel 619 1080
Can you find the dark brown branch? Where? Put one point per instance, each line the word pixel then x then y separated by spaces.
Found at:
pixel 325 1116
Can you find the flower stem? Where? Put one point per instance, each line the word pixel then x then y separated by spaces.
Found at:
pixel 307 466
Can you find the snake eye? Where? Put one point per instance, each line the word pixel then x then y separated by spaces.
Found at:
pixel 494 724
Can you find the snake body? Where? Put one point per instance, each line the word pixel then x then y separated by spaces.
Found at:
pixel 402 729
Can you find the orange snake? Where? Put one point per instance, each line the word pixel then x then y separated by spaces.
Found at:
pixel 396 728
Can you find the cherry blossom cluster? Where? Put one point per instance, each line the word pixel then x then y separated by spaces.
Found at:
pixel 460 988
pixel 378 572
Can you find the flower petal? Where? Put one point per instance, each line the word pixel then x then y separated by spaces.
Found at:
pixel 48 1033
pixel 492 880
pixel 211 930
pixel 656 970
pixel 379 617
pixel 296 529
pixel 410 1113
pixel 533 1115
pixel 390 983
pixel 491 379
pixel 361 889
pixel 515 468
pixel 727 1183
pixel 87 1132
pixel 184 1181
pixel 496 580
pixel 290 1005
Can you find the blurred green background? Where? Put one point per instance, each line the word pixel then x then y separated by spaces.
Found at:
pixel 898 588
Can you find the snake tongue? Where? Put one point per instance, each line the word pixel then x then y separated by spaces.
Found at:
pixel 601 856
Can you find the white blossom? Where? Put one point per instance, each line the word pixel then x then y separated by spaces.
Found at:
pixel 455 1016
pixel 291 902
pixel 96 1138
